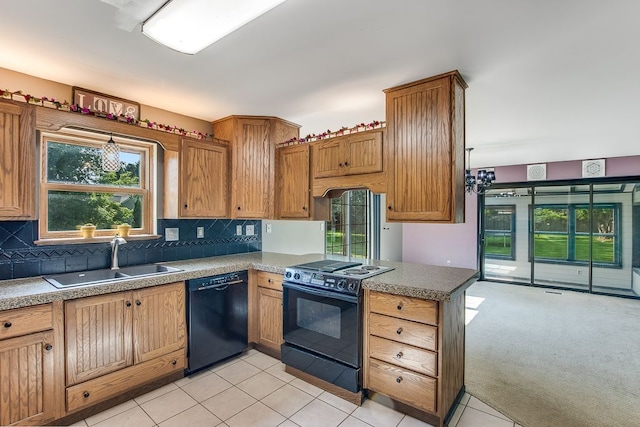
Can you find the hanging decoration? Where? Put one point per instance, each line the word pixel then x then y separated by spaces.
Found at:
pixel 110 156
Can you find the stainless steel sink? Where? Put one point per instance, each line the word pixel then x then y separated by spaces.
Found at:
pixel 94 277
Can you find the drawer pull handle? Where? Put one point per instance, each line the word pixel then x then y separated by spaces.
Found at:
pixel 7 324
pixel 174 362
pixel 399 380
pixel 399 306
pixel 269 280
pixel 399 331
pixel 138 302
pixel 128 303
pixel 399 355
pixel 48 347
pixel 86 394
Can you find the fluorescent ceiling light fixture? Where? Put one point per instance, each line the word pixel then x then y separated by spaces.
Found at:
pixel 189 26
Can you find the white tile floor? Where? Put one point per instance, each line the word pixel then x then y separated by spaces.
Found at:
pixel 253 390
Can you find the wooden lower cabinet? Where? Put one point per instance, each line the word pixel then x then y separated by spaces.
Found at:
pixel 118 341
pixel 414 352
pixel 31 369
pixel 268 312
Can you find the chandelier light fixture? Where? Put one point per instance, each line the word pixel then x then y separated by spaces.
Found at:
pixel 480 184
pixel 189 26
pixel 110 156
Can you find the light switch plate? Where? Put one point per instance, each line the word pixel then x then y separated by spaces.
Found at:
pixel 249 230
pixel 238 230
pixel 269 226
pixel 171 234
pixel 200 232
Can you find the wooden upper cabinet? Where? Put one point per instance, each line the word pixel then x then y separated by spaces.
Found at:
pixel 204 185
pixel 98 335
pixel 292 176
pixel 348 155
pixel 425 148
pixel 17 161
pixel 159 321
pixel 253 140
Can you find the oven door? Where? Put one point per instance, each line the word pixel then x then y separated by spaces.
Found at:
pixel 324 322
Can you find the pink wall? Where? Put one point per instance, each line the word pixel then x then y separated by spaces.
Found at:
pixel 436 244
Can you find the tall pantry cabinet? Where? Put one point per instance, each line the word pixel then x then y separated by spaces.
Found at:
pixel 425 148
pixel 252 140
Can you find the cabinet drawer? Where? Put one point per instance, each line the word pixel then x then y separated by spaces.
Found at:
pixel 269 280
pixel 404 331
pixel 406 386
pixel 403 355
pixel 416 309
pixel 22 321
pixel 102 388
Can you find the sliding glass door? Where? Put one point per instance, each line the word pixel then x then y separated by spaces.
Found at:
pixel 571 235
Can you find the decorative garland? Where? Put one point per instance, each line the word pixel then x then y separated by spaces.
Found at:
pixel 332 134
pixel 76 108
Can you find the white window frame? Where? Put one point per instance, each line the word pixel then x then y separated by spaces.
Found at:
pixel 147 151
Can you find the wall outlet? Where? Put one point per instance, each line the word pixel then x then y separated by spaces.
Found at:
pixel 238 230
pixel 269 228
pixel 200 232
pixel 171 234
pixel 249 230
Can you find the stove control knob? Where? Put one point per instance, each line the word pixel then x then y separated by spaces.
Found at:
pixel 341 283
pixel 287 274
pixel 352 286
pixel 296 276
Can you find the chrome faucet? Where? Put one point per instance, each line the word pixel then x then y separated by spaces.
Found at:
pixel 115 244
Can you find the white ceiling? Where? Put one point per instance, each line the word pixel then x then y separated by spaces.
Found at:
pixel 548 80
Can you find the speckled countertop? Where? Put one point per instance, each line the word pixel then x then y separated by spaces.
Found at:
pixel 422 281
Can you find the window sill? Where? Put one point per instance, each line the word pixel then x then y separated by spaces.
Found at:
pixel 99 239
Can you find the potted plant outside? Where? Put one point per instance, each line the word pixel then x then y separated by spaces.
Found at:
pixel 88 230
pixel 123 229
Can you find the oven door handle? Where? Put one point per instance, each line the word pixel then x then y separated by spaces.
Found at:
pixel 321 293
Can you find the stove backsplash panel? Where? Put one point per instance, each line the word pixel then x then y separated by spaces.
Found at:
pixel 19 257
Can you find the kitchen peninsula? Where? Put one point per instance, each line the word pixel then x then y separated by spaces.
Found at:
pixel 440 288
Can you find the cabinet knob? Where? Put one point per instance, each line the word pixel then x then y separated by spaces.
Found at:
pixel 185 206
pixel 48 347
pixel 128 303
pixel 304 208
pixel 399 331
pixel 138 302
pixel 174 362
pixel 399 307
pixel 7 324
pixel 346 163
pixel 340 164
pixel 389 207
pixel 399 380
pixel 86 394
pixel 238 208
pixel 399 355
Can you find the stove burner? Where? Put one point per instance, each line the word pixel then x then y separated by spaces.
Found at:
pixel 370 267
pixel 355 272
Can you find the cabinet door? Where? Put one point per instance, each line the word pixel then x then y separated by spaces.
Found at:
pixel 363 153
pixel 27 379
pixel 293 182
pixel 158 321
pixel 424 154
pixel 252 171
pixel 328 159
pixel 17 161
pixel 270 303
pixel 203 179
pixel 98 335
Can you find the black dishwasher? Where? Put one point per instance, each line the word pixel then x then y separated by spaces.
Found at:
pixel 216 319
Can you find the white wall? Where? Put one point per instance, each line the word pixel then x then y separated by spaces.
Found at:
pixel 293 237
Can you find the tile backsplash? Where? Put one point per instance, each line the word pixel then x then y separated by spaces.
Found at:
pixel 19 257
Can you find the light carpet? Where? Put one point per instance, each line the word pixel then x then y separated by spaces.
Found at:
pixel 549 359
